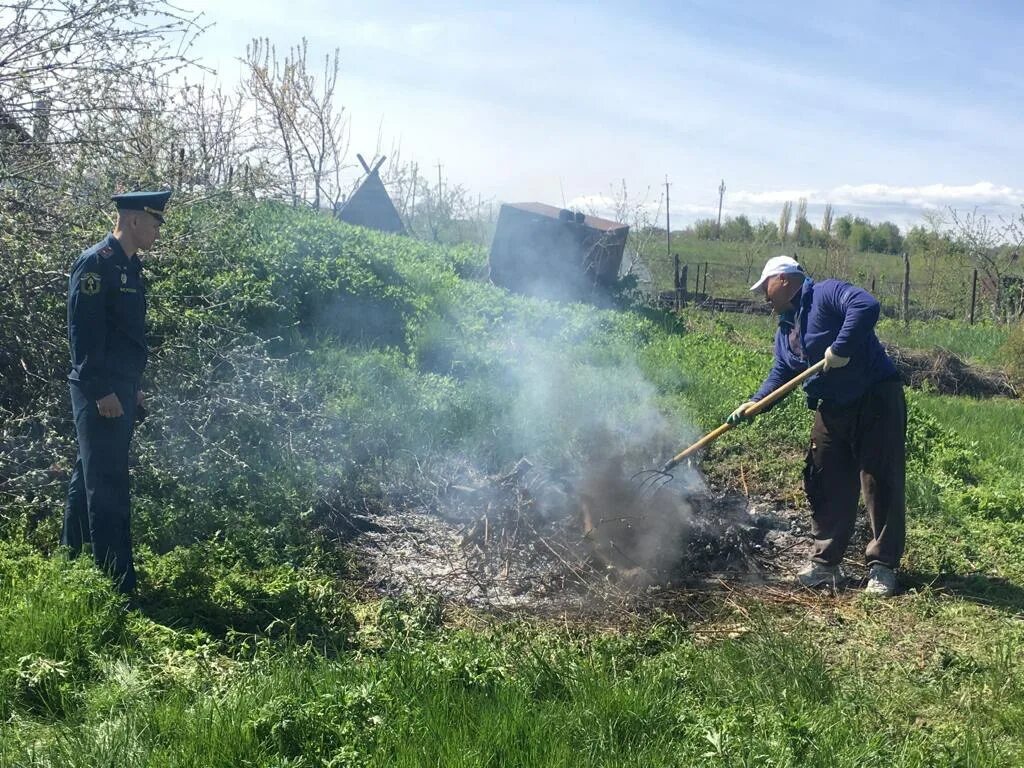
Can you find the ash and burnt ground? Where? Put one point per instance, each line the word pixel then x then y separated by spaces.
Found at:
pixel 518 542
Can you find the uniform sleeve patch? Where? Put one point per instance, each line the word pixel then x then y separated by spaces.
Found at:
pixel 90 283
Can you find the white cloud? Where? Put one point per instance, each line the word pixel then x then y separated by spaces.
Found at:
pixel 518 109
pixel 601 205
pixel 416 38
pixel 928 196
pixel 904 204
pixel 770 197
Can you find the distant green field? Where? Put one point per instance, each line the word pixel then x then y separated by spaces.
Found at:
pixel 982 344
pixel 733 266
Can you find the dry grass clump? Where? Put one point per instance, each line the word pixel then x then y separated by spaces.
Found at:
pixel 949 374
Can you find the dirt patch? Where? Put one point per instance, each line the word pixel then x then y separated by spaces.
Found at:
pixel 949 374
pixel 516 541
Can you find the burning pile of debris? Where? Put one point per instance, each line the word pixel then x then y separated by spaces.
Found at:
pixel 521 540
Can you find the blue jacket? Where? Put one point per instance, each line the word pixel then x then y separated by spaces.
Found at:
pixel 106 319
pixel 837 314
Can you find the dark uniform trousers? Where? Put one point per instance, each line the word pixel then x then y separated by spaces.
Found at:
pixel 98 504
pixel 859 447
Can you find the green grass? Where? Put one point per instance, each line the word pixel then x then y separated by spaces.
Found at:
pixel 252 648
pixel 996 427
pixel 912 685
pixel 981 343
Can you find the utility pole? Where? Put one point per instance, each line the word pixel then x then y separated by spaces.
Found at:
pixel 906 288
pixel 668 228
pixel 439 180
pixel 721 195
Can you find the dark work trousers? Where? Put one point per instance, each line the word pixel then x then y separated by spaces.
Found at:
pixel 98 505
pixel 858 448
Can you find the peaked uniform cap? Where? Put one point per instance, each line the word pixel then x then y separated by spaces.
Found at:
pixel 778 265
pixel 152 203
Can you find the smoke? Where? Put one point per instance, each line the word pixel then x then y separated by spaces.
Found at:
pixel 390 400
pixel 587 415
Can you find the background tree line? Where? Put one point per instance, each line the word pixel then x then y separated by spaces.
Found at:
pixel 856 232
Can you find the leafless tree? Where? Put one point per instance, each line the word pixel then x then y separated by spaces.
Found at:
pixel 991 246
pixel 308 129
pixel 802 231
pixel 837 259
pixel 213 136
pixel 756 251
pixel 69 73
pixel 785 217
pixel 446 213
pixel 642 215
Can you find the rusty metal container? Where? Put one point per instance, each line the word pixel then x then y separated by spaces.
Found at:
pixel 554 253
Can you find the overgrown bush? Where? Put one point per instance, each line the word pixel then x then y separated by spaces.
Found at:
pixel 1012 353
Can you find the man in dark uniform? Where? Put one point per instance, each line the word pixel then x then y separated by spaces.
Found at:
pixel 107 335
pixel 860 421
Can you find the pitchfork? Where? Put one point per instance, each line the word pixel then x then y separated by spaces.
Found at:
pixel 653 480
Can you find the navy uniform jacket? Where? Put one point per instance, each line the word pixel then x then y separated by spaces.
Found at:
pixel 106 319
pixel 837 314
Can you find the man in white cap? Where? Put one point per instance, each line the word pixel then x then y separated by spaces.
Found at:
pixel 859 433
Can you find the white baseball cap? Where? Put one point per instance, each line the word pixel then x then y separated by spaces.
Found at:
pixel 778 265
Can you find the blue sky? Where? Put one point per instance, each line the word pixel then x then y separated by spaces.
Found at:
pixel 883 109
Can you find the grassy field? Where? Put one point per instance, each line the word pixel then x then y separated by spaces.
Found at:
pixel 732 267
pixel 327 367
pixel 981 343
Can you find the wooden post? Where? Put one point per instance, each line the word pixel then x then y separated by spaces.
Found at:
pixel 873 286
pixel 682 283
pixel 705 291
pixel 906 288
pixel 974 294
pixel 696 281
pixel 675 265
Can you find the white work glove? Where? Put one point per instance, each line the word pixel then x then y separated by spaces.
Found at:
pixel 739 415
pixel 832 360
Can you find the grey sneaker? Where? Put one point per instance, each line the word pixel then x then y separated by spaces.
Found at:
pixel 881 581
pixel 818 575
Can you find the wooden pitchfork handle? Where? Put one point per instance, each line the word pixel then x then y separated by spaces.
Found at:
pixel 753 410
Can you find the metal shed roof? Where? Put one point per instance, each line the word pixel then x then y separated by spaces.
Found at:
pixel 595 222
